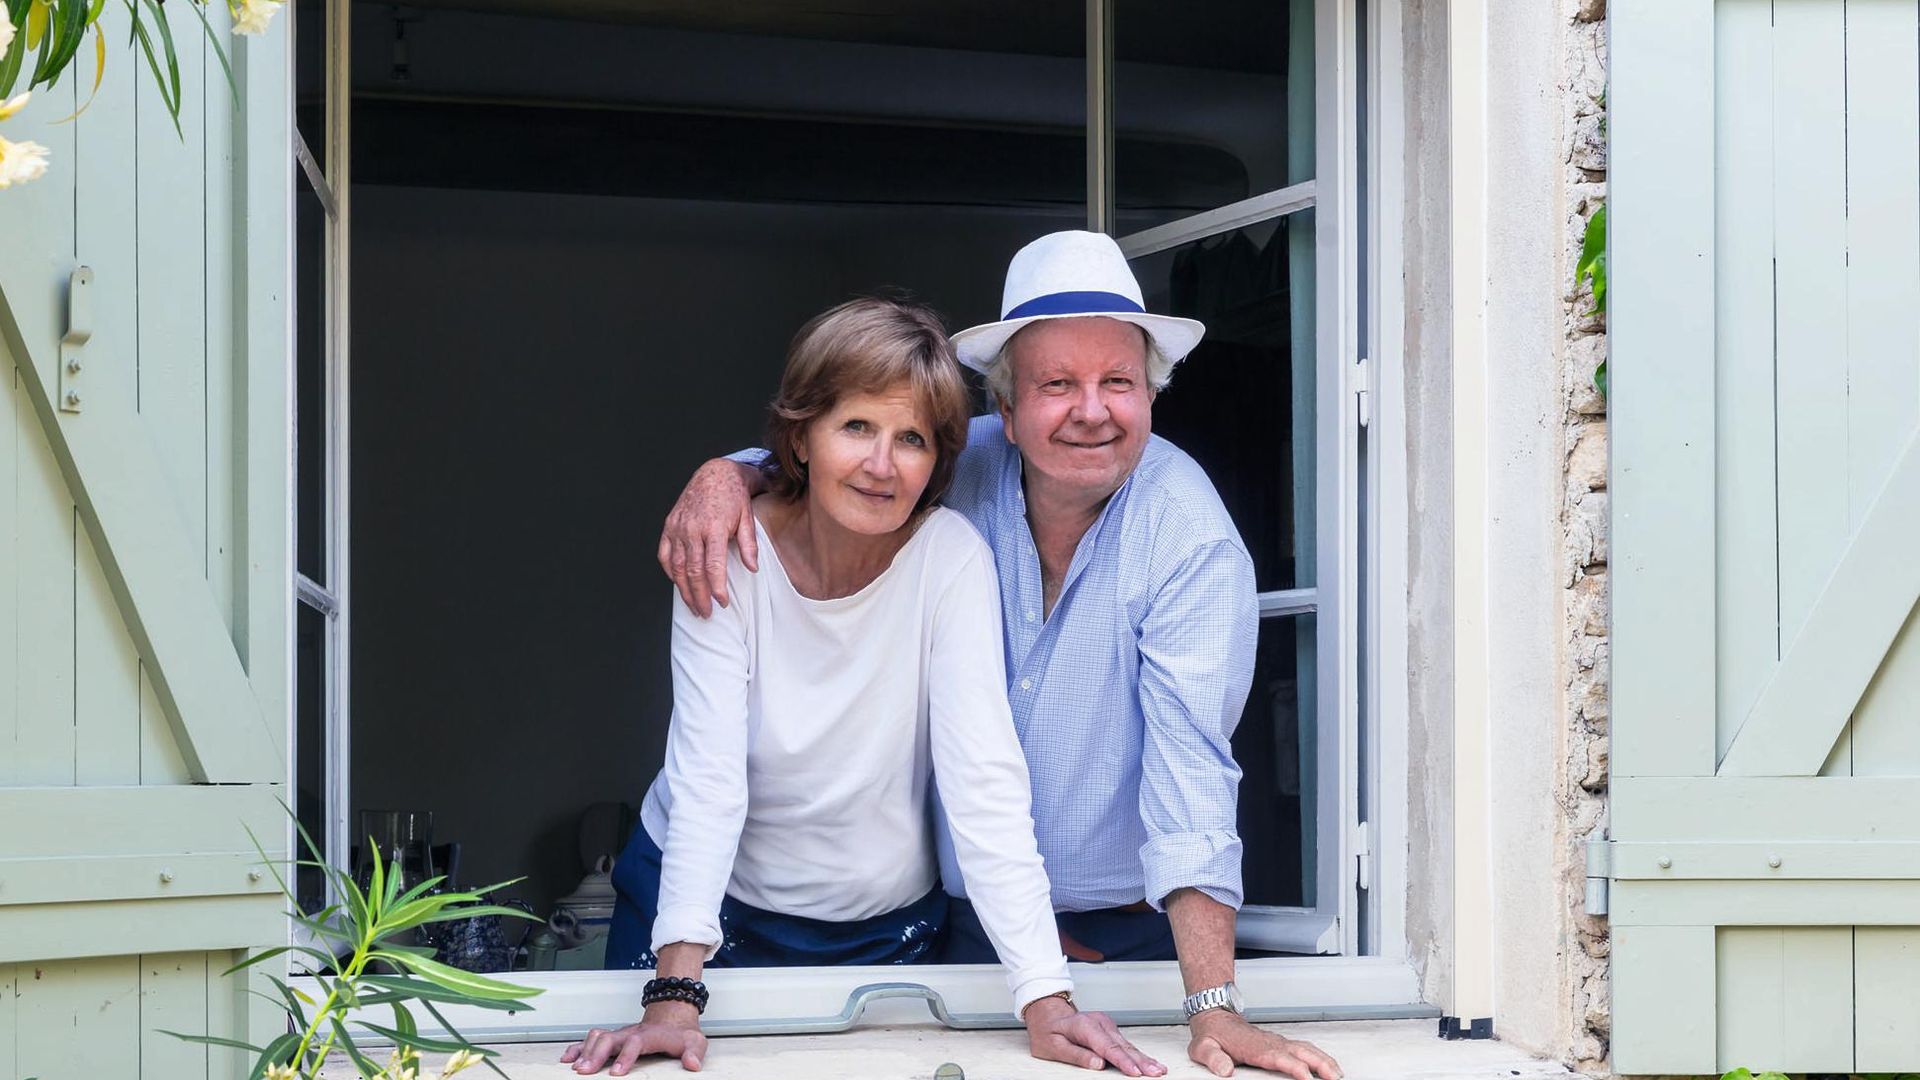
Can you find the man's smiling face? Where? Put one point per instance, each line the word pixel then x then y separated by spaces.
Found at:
pixel 1081 409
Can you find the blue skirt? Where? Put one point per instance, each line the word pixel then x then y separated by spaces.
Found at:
pixel 757 938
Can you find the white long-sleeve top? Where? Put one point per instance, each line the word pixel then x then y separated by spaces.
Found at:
pixel 804 735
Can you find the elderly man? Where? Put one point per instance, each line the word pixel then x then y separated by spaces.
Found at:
pixel 1130 620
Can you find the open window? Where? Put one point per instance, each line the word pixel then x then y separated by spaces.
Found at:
pixel 583 232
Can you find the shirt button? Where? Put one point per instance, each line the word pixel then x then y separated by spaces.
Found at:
pixel 1026 684
pixel 1031 616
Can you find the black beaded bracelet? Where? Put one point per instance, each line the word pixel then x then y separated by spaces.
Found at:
pixel 675 988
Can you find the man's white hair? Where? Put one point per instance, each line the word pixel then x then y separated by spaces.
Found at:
pixel 1000 372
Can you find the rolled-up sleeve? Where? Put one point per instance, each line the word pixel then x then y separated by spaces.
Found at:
pixel 984 785
pixel 1197 644
pixel 706 767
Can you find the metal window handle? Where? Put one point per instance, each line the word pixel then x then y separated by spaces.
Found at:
pixel 850 1013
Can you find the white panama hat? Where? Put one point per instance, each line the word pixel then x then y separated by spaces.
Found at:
pixel 1071 275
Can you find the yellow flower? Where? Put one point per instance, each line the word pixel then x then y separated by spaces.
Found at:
pixel 8 108
pixel 6 30
pixel 461 1060
pixel 21 162
pixel 252 16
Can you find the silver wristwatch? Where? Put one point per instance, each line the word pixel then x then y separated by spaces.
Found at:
pixel 1225 996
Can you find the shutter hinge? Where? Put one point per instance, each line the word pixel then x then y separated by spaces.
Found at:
pixel 1363 390
pixel 1599 874
pixel 1363 857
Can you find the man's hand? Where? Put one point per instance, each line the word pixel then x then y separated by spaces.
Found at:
pixel 668 1027
pixel 715 509
pixel 1223 1039
pixel 1056 1031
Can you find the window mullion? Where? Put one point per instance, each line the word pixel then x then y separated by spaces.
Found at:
pixel 1272 204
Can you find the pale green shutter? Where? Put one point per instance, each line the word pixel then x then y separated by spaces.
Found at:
pixel 144 585
pixel 1766 535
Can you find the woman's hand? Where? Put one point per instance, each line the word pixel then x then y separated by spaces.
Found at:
pixel 1056 1031
pixel 714 510
pixel 667 1027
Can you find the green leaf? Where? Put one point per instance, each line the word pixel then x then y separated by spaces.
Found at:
pixel 173 63
pixel 344 1041
pixel 451 1030
pixel 1593 259
pixel 210 1040
pixel 422 1042
pixel 199 11
pixel 376 886
pixel 139 33
pixel 293 999
pixel 455 979
pixel 1600 378
pixel 278 1052
pixel 278 950
pixel 409 987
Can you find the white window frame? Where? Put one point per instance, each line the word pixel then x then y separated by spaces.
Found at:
pixel 1358 376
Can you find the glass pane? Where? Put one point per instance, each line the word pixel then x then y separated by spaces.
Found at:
pixel 1243 402
pixel 1277 746
pixel 310 75
pixel 311 767
pixel 310 382
pixel 1209 110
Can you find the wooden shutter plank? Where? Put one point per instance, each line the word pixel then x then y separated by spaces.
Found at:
pixel 125 927
pixel 173 997
pixel 1767 808
pixel 1851 860
pixel 1763 903
pixel 158 578
pixel 43 592
pixel 1842 642
pixel 1747 584
pixel 160 760
pixel 106 709
pixel 1886 1025
pixel 142 820
pixel 263 202
pixel 224 452
pixel 1810 233
pixel 172 281
pixel 1664 999
pixel 79 1018
pixel 1662 430
pixel 1883 338
pixel 64 879
pixel 1786 999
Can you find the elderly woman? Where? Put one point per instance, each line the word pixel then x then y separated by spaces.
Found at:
pixel 790 824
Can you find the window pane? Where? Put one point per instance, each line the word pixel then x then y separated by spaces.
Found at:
pixel 310 386
pixel 1277 746
pixel 1243 402
pixel 1231 92
pixel 310 739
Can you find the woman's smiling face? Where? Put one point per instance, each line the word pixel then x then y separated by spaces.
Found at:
pixel 868 459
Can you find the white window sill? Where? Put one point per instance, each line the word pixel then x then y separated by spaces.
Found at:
pixel 762 1001
pixel 1398 1048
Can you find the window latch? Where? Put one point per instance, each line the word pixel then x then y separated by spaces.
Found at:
pixel 1363 391
pixel 1363 857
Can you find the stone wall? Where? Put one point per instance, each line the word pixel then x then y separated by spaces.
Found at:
pixel 1584 522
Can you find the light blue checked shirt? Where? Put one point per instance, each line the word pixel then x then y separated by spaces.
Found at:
pixel 1126 697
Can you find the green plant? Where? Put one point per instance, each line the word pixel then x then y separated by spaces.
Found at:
pixel 366 926
pixel 53 32
pixel 1593 267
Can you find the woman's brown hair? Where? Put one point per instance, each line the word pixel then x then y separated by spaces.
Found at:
pixel 868 345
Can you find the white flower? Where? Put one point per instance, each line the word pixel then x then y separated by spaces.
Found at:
pixel 21 162
pixel 8 108
pixel 461 1060
pixel 252 16
pixel 281 1072
pixel 6 30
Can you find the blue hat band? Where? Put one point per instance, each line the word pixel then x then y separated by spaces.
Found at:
pixel 1075 303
